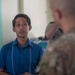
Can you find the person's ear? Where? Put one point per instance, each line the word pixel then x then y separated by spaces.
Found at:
pixel 58 15
pixel 13 29
pixel 30 27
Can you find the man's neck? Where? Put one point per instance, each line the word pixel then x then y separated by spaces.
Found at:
pixel 69 29
pixel 68 26
pixel 22 41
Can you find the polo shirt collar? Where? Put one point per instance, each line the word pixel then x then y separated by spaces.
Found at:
pixel 15 42
pixel 29 43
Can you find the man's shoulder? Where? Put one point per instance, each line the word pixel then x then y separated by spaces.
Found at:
pixel 37 48
pixel 65 43
pixel 35 45
pixel 66 39
pixel 6 46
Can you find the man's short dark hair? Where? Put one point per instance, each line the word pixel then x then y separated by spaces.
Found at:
pixel 24 16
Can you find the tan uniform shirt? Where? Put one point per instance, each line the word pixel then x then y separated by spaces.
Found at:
pixel 59 59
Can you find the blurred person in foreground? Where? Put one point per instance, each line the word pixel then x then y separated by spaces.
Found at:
pixel 59 58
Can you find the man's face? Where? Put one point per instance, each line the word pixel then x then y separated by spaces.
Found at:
pixel 21 27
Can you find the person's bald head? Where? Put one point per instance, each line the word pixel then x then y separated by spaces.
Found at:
pixel 64 13
pixel 67 7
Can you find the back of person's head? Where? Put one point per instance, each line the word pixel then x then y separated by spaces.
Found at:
pixel 50 30
pixel 50 24
pixel 64 13
pixel 24 16
pixel 67 7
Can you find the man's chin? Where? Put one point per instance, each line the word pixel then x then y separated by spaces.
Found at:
pixel 22 36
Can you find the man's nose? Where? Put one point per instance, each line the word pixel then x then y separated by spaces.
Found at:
pixel 21 26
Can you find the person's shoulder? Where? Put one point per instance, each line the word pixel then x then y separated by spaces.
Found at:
pixel 6 46
pixel 66 38
pixel 36 45
pixel 65 42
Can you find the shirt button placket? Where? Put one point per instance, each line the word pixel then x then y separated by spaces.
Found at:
pixel 21 60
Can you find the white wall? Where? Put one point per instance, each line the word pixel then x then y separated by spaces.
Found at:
pixel 49 13
pixel 9 10
pixel 36 9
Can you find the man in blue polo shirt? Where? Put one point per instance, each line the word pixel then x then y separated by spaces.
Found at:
pixel 21 56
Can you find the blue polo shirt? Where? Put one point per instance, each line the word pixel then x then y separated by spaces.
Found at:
pixel 17 60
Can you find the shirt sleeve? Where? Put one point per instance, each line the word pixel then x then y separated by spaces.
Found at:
pixel 2 59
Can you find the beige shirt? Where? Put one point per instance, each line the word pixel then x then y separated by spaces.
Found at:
pixel 59 59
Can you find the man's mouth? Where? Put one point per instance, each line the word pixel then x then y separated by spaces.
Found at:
pixel 21 32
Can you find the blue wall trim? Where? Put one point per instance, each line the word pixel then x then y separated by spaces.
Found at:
pixel 0 23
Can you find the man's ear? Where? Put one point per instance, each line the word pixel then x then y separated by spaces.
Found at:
pixel 58 15
pixel 30 27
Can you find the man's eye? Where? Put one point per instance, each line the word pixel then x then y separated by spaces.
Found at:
pixel 24 24
pixel 17 24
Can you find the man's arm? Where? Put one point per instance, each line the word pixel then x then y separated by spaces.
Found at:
pixel 2 72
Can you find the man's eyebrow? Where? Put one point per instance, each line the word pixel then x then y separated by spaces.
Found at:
pixel 23 21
